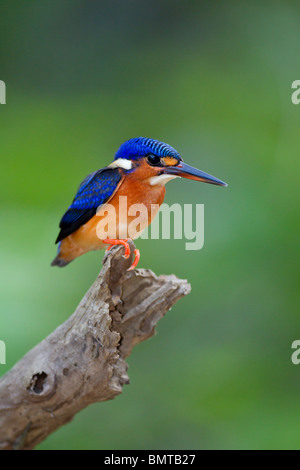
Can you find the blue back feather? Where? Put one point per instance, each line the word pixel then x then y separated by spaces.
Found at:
pixel 96 189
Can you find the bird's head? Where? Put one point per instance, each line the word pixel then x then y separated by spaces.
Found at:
pixel 157 162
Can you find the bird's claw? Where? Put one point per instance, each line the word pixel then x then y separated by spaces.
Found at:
pixel 126 255
pixel 136 259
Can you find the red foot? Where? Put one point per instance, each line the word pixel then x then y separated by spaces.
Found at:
pixel 112 242
pixel 136 259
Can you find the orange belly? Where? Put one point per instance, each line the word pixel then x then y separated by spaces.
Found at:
pixel 90 235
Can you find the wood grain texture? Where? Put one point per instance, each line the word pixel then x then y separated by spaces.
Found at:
pixel 83 360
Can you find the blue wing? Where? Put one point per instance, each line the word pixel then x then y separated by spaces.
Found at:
pixel 95 190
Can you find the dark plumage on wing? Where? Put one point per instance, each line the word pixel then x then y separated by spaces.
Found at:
pixel 95 190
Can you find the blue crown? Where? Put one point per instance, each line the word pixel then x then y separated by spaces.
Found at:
pixel 141 146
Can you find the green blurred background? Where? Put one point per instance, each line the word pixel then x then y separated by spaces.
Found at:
pixel 213 79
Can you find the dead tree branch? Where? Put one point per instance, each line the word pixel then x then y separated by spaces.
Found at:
pixel 83 360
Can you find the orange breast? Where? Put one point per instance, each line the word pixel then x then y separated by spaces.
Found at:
pixel 113 217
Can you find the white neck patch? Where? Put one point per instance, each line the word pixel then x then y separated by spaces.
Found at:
pixel 161 179
pixel 121 163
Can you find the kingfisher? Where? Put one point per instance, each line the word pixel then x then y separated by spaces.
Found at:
pixel 139 172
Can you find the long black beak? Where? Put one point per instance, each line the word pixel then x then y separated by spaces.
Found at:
pixel 187 171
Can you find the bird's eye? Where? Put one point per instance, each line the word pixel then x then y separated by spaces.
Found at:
pixel 153 160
